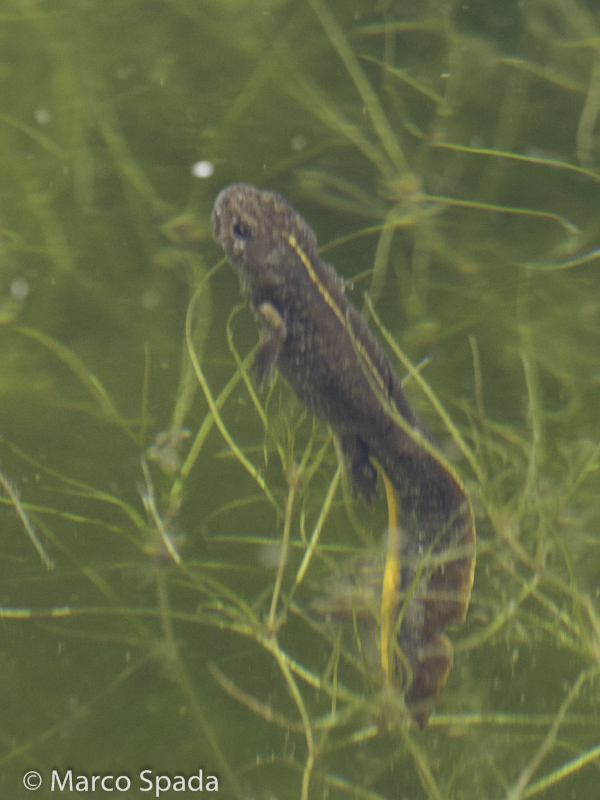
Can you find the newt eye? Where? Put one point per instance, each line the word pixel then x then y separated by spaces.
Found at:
pixel 241 230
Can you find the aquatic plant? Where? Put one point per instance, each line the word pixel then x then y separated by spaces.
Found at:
pixel 192 521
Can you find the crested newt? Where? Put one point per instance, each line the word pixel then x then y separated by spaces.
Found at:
pixel 325 350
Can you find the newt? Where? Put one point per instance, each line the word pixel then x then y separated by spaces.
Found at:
pixel 325 350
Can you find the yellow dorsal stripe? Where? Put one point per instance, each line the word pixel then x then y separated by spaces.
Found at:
pixel 391 576
pixel 293 242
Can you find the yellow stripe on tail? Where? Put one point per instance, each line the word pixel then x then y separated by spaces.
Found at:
pixel 391 581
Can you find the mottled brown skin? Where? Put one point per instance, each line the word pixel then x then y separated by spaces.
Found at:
pixel 325 350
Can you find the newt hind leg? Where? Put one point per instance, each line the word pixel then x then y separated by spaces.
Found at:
pixel 362 473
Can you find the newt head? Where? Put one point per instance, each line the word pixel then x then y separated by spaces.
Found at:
pixel 254 228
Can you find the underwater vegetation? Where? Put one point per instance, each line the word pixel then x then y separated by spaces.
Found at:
pixel 186 581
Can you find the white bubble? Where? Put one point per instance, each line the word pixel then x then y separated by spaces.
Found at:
pixel 150 300
pixel 19 289
pixel 41 116
pixel 299 143
pixel 203 169
pixel 269 554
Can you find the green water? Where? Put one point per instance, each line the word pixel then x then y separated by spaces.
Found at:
pixel 448 158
